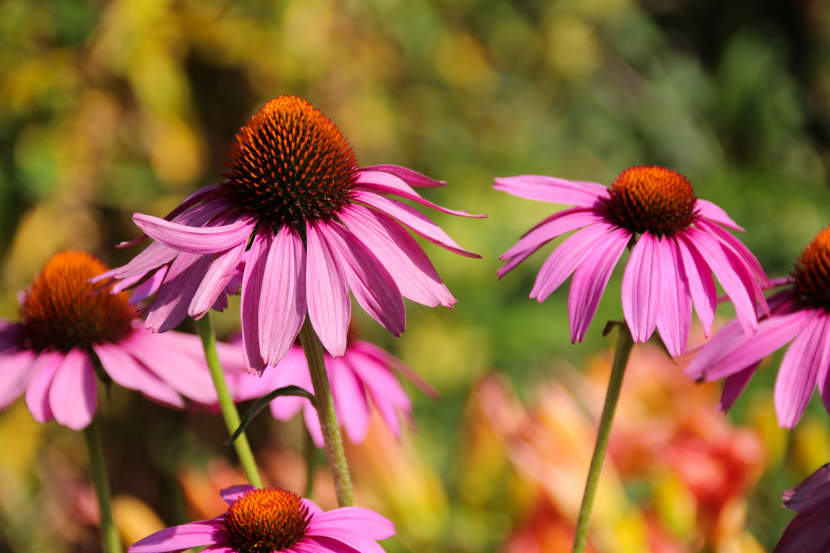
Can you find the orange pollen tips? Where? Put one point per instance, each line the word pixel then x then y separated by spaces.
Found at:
pixel 266 521
pixel 812 272
pixel 290 164
pixel 62 311
pixel 652 199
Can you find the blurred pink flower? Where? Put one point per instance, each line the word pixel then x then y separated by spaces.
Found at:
pixel 317 226
pixel 680 244
pixel 274 520
pixel 50 354
pixel 808 532
pixel 799 314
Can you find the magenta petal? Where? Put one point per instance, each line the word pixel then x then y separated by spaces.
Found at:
pixel 412 218
pixel 675 316
pixel 744 253
pixel 147 288
pixel 129 373
pixel 642 287
pixel 179 538
pixel 552 189
pixel 153 257
pixel 235 492
pixel 372 285
pixel 251 293
pixel 363 521
pixel 559 224
pixel 190 239
pixel 410 177
pixel 812 492
pixel 566 258
pixel 400 254
pixel 798 374
pixel 716 214
pixel 386 392
pixel 214 282
pixel 385 183
pixel 37 392
pixel 590 280
pixel 283 297
pixel 312 422
pixel 73 395
pixel 169 307
pixel 15 373
pixel 329 307
pixel 734 385
pixel 350 400
pixel 808 532
pixel 701 284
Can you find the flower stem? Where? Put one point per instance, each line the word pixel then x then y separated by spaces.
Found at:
pixel 328 418
pixel 98 474
pixel 623 350
pixel 310 452
pixel 226 404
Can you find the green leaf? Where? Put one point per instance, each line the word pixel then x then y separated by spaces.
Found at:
pixel 265 400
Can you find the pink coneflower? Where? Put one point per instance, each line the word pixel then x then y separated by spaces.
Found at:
pixel 64 325
pixel 800 314
pixel 271 520
pixel 363 376
pixel 679 244
pixel 808 532
pixel 316 225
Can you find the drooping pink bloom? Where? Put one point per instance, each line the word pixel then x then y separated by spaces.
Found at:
pixel 678 242
pixel 809 531
pixel 362 377
pixel 50 355
pixel 316 225
pixel 801 315
pixel 271 520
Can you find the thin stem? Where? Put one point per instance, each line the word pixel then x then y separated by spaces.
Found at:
pixel 310 453
pixel 226 404
pixel 328 418
pixel 623 350
pixel 98 474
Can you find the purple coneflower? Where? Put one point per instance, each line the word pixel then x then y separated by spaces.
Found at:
pixel 808 531
pixel 270 520
pixel 677 243
pixel 800 314
pixel 64 325
pixel 316 226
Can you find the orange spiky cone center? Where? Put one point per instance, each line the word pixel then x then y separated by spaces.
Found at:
pixel 812 272
pixel 266 521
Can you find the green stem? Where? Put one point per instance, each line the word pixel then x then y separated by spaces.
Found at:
pixel 623 350
pixel 310 453
pixel 226 404
pixel 98 474
pixel 328 418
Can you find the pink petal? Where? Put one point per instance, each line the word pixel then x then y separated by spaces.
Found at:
pixel 734 385
pixel 590 280
pixel 400 254
pixel 798 375
pixel 361 521
pixel 372 285
pixel 742 251
pixel 552 189
pixel 169 307
pixel 235 492
pixel 675 315
pixel 412 218
pixel 386 392
pixel 642 287
pixel 146 289
pixel 72 395
pixel 329 307
pixel 313 508
pixel 701 284
pixel 810 493
pixel 44 368
pixel 350 400
pixel 566 258
pixel 808 532
pixel 185 238
pixel 15 373
pixel 386 183
pixel 345 541
pixel 410 177
pixel 283 296
pixel 251 294
pixel 384 359
pixel 179 538
pixel 129 373
pixel 214 282
pixel 714 213
pixel 312 422
pixel 559 224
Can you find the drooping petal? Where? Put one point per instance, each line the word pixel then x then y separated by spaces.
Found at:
pixel 179 538
pixel 235 492
pixel 350 400
pixel 37 392
pixel 312 423
pixel 329 307
pixel 384 359
pixel 385 183
pixel 813 491
pixel 386 392
pixel 552 189
pixel 368 523
pixel 413 219
pixel 714 213
pixel 701 284
pixel 251 294
pixel 129 373
pixel 808 532
pixel 169 307
pixel 343 541
pixel 565 221
pixel 798 375
pixel 400 254
pixel 283 296
pixel 741 250
pixel 202 240
pixel 214 282
pixel 15 373
pixel 675 315
pixel 410 177
pixel 642 287
pixel 824 366
pixel 590 280
pixel 147 288
pixel 372 285
pixel 734 385
pixel 72 396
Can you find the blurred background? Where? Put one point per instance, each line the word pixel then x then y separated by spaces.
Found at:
pixel 113 107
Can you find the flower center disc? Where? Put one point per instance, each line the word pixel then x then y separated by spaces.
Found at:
pixel 63 311
pixel 265 521
pixel 290 163
pixel 652 199
pixel 812 272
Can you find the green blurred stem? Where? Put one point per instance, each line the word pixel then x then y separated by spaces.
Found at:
pixel 226 404
pixel 310 452
pixel 98 474
pixel 328 418
pixel 623 350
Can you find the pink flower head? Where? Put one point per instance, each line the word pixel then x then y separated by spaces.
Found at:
pixel 800 315
pixel 808 531
pixel 271 520
pixel 316 226
pixel 64 325
pixel 363 376
pixel 679 244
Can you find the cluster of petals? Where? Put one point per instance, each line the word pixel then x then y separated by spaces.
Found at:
pixel 664 277
pixel 363 377
pixel 199 246
pixel 808 531
pixel 348 529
